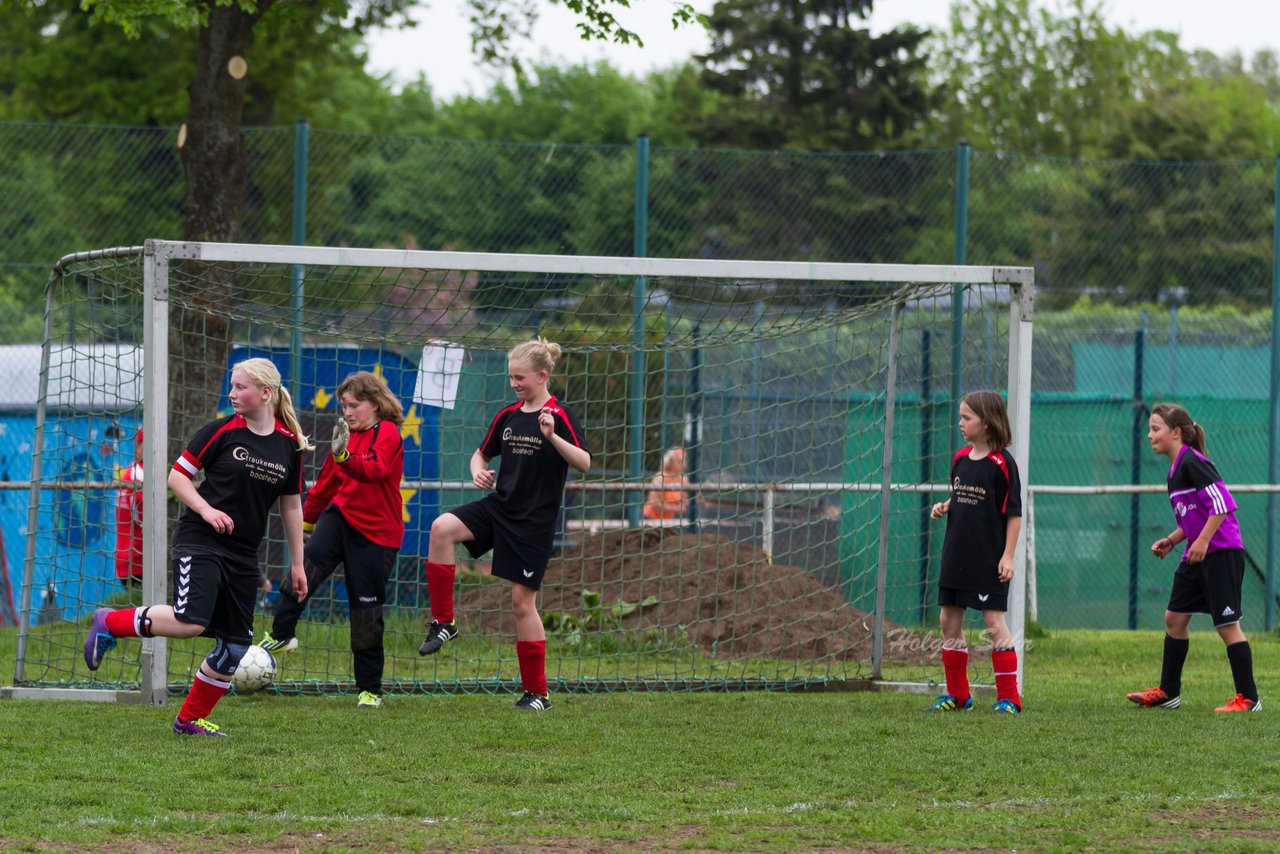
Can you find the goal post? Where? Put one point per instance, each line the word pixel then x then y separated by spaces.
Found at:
pixel 808 400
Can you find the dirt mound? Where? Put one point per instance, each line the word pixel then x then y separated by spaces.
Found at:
pixel 727 596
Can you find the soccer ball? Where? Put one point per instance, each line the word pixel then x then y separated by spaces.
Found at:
pixel 256 670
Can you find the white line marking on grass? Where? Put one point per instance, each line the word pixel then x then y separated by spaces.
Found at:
pixel 284 818
pixel 1145 797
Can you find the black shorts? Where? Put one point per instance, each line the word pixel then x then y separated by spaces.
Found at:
pixel 514 557
pixel 1211 587
pixel 216 592
pixel 972 599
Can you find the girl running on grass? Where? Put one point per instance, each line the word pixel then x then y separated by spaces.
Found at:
pixel 984 518
pixel 539 439
pixel 1209 577
pixel 355 515
pixel 250 459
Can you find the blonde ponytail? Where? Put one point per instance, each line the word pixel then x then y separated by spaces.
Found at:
pixel 284 409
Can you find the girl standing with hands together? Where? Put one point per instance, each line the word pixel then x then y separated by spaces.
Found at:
pixel 1209 577
pixel 984 518
pixel 539 439
pixel 355 516
pixel 250 459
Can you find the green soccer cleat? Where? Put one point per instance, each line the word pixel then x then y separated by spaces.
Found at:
pixel 368 700
pixel 947 703
pixel 277 647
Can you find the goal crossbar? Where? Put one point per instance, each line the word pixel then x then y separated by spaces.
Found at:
pixel 592 265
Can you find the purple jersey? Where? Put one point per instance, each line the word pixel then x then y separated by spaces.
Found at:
pixel 1197 492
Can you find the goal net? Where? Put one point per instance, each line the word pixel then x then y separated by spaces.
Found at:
pixel 813 405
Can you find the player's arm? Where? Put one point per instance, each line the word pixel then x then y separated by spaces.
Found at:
pixel 1164 545
pixel 940 509
pixel 1198 549
pixel 481 476
pixel 184 487
pixel 1012 530
pixel 372 465
pixel 576 457
pixel 321 494
pixel 291 515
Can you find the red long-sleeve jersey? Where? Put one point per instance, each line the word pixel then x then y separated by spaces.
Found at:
pixel 366 487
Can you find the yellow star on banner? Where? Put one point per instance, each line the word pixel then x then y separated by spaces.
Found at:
pixel 321 400
pixel 411 426
pixel 406 495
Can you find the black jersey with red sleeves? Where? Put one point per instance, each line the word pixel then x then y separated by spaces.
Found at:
pixel 984 494
pixel 532 473
pixel 244 474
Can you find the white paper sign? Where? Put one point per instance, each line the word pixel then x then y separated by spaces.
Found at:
pixel 437 383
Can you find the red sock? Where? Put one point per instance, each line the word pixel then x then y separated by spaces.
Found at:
pixel 955 663
pixel 1005 664
pixel 440 590
pixel 124 623
pixel 204 695
pixel 533 665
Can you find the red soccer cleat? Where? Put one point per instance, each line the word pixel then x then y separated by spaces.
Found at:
pixel 1154 698
pixel 1238 703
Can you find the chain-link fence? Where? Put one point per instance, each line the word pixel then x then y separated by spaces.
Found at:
pixel 1192 243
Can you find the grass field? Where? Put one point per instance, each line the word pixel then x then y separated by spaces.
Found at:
pixel 1082 770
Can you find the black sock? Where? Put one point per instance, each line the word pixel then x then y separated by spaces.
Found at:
pixel 1175 655
pixel 1241 658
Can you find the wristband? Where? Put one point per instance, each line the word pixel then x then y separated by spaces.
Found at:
pixel 308 527
pixel 342 457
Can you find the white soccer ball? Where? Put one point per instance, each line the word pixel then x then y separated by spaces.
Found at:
pixel 256 671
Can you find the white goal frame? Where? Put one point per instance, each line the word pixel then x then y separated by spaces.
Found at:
pixel 157 256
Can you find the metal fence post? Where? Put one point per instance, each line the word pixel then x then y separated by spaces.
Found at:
pixel 301 145
pixel 957 291
pixel 926 466
pixel 1135 471
pixel 639 295
pixel 1273 449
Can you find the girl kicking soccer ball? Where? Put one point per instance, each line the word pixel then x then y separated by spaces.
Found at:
pixel 1210 575
pixel 250 459
pixel 984 518
pixel 538 438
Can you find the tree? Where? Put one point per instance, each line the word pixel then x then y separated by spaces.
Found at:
pixel 800 74
pixel 213 154
pixel 1023 78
